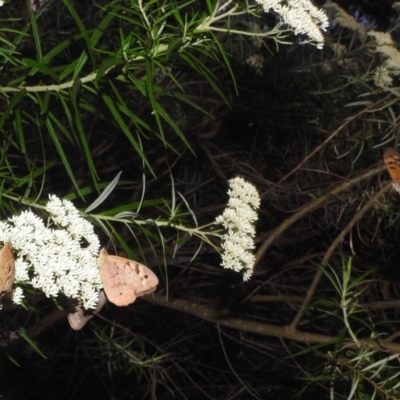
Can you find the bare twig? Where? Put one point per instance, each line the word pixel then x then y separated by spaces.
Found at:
pixel 310 207
pixel 329 252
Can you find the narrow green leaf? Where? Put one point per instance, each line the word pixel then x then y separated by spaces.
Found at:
pixel 203 71
pixel 65 103
pixel 224 55
pixel 106 66
pixel 73 92
pixel 69 70
pixel 173 45
pixel 57 50
pixel 10 107
pixel 57 143
pixel 125 129
pixel 36 173
pixel 104 194
pixel 102 225
pixel 46 102
pixel 80 64
pixel 35 30
pixel 38 66
pixel 85 145
pixel 175 127
pixel 101 29
pixel 133 207
pixel 126 215
pixel 123 244
pixel 39 100
pixel 23 334
pixel 19 130
pixel 83 30
pixel 150 95
pixel 13 360
pixel 139 123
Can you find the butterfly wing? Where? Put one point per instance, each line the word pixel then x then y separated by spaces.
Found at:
pixel 78 319
pixel 392 161
pixel 143 280
pixel 148 279
pixel 7 269
pixel 124 279
pixel 116 277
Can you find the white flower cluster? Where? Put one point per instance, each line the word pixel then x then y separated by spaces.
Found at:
pixel 238 219
pixel 390 65
pixel 57 259
pixel 302 16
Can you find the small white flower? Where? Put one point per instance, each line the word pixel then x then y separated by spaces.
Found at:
pixel 391 59
pixel 238 219
pixel 302 16
pixel 17 295
pixel 58 258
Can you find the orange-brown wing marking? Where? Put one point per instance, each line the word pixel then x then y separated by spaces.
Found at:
pixel 392 161
pixel 7 269
pixel 143 279
pixel 117 281
pixel 125 279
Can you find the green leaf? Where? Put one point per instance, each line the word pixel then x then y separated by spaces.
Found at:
pixel 104 194
pixel 85 145
pixel 203 71
pixel 106 66
pixel 36 33
pixel 111 105
pixel 10 107
pixel 23 334
pixel 73 92
pixel 85 35
pixel 57 143
pixel 39 66
pixel 19 130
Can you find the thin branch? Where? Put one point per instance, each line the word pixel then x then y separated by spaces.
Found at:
pixel 311 207
pixel 332 247
pixel 211 315
pixel 318 148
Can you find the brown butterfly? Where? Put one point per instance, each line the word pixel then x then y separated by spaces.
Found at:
pixel 7 269
pixel 124 279
pixel 78 319
pixel 392 161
